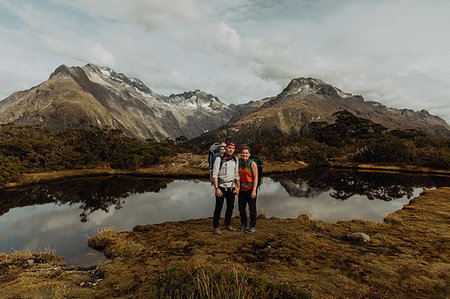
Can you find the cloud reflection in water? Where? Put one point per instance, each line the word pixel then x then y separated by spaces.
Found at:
pixel 48 216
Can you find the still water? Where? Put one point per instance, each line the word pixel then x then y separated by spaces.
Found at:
pixel 60 216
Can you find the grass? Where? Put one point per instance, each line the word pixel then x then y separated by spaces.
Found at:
pixel 408 256
pixel 205 283
pixel 188 165
pixel 194 168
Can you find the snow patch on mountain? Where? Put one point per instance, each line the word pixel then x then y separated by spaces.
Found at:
pixel 305 90
pixel 105 71
pixel 144 94
pixel 95 77
pixel 342 94
pixel 376 104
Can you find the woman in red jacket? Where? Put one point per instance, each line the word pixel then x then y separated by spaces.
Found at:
pixel 248 173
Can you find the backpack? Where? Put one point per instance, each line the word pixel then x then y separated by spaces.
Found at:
pixel 259 165
pixel 213 154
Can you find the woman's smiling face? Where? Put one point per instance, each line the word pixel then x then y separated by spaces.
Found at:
pixel 245 154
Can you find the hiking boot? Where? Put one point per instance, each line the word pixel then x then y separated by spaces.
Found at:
pixel 250 230
pixel 242 228
pixel 229 228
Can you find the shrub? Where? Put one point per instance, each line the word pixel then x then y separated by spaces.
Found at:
pixel 386 150
pixel 440 160
pixel 40 150
pixel 10 168
pixel 316 157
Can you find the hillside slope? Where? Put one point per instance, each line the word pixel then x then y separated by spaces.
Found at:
pixel 78 96
pixel 307 100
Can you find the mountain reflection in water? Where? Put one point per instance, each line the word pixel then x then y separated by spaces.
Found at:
pixel 92 194
pixel 344 184
pixel 60 215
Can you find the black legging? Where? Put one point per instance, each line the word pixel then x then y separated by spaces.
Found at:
pixel 244 198
pixel 229 195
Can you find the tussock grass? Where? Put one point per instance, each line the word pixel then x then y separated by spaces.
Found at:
pixel 32 275
pixel 408 256
pixel 114 244
pixel 206 283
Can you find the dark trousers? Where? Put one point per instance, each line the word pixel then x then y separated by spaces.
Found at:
pixel 245 198
pixel 229 196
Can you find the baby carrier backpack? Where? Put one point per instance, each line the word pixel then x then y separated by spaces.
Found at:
pixel 213 154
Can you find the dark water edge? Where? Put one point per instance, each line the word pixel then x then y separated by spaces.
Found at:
pixel 61 215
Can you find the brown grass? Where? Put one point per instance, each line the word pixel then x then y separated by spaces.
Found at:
pixel 184 165
pixel 188 165
pixel 389 168
pixel 408 256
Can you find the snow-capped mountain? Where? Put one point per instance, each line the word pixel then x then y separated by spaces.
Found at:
pixel 78 96
pixel 308 100
pixel 75 97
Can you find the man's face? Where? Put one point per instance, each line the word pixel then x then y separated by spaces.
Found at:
pixel 230 150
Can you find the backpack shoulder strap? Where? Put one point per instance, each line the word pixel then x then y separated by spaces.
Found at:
pixel 221 161
pixel 250 165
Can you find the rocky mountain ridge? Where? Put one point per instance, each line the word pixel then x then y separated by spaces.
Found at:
pixel 307 100
pixel 74 97
pixel 92 95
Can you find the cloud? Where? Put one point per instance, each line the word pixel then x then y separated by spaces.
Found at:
pixel 389 51
pixel 227 40
pixel 169 14
pixel 99 55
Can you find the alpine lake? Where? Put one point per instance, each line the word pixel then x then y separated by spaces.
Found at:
pixel 60 216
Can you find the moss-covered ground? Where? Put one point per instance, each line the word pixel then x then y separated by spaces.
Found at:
pixel 408 256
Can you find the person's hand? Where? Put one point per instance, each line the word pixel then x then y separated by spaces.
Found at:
pixel 218 192
pixel 253 195
pixel 236 190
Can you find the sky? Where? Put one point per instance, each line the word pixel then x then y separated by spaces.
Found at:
pixel 395 52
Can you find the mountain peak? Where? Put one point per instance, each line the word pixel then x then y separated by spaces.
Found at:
pixel 199 96
pixel 119 78
pixel 62 69
pixel 195 93
pixel 307 86
pixel 302 81
pixel 99 96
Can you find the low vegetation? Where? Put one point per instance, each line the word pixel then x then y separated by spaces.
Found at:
pixel 349 139
pixel 352 138
pixel 407 256
pixel 10 169
pixel 36 150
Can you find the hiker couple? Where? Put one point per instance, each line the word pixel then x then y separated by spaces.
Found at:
pixel 231 176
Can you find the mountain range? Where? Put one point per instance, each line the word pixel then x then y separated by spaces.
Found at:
pixel 74 97
pixel 307 100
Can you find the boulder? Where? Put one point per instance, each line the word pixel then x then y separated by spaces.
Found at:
pixel 359 237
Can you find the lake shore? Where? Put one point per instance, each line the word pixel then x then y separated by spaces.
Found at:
pixel 181 166
pixel 196 166
pixel 407 256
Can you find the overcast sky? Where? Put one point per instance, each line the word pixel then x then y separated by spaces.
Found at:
pixel 393 52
